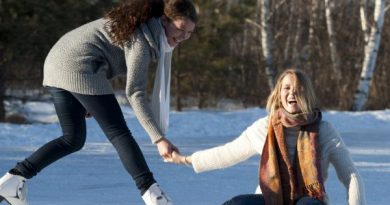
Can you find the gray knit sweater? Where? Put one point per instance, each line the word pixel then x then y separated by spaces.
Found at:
pixel 85 59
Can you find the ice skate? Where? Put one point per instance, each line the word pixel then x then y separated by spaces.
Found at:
pixel 155 196
pixel 13 189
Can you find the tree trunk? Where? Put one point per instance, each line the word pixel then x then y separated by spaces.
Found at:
pixel 370 55
pixel 287 47
pixel 363 20
pixel 298 34
pixel 266 41
pixel 332 40
pixel 313 21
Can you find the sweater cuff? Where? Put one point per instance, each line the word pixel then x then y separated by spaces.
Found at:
pixel 153 132
pixel 196 165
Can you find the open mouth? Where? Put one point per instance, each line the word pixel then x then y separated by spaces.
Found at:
pixel 292 102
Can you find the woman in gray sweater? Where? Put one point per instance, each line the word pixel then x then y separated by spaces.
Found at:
pixel 77 73
pixel 296 148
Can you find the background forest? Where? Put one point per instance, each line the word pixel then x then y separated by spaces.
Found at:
pixel 235 53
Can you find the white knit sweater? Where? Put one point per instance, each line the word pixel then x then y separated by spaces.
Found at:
pixel 251 142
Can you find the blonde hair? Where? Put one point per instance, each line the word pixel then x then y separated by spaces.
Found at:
pixel 305 94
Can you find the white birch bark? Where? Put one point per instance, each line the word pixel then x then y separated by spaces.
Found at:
pixel 363 20
pixel 371 53
pixel 313 20
pixel 266 41
pixel 332 39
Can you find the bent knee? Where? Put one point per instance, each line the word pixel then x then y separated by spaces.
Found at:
pixel 74 143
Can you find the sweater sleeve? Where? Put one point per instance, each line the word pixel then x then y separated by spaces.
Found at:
pixel 341 159
pixel 240 149
pixel 138 57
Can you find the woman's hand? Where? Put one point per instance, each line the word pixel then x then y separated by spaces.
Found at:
pixel 177 158
pixel 165 148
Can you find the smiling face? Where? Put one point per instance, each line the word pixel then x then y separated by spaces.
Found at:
pixel 294 92
pixel 177 30
pixel 288 95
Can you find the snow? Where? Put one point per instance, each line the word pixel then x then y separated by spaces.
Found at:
pixel 95 175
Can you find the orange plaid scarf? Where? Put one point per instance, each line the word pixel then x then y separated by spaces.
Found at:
pixel 281 181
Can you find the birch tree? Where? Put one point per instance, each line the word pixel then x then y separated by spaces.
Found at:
pixel 298 35
pixel 287 46
pixel 332 39
pixel 313 48
pixel 267 40
pixel 363 21
pixel 313 22
pixel 370 55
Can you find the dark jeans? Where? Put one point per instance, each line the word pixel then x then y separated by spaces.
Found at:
pixel 258 199
pixel 71 109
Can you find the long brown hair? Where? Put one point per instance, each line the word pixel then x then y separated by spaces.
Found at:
pixel 124 19
pixel 306 97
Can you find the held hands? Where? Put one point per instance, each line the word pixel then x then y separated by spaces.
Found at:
pixel 165 148
pixel 177 158
pixel 170 153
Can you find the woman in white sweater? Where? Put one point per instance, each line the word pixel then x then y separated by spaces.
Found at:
pixel 296 148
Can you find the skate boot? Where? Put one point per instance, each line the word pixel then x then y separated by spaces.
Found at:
pixel 155 196
pixel 13 189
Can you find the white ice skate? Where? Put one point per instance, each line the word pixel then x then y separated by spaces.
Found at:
pixel 13 189
pixel 155 196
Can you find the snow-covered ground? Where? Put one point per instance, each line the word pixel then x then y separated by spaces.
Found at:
pixel 95 175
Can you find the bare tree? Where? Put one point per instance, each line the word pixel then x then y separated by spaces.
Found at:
pixel 332 39
pixel 363 20
pixel 267 40
pixel 370 55
pixel 313 21
pixel 287 46
pixel 297 51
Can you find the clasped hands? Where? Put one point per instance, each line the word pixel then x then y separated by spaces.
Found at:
pixel 170 153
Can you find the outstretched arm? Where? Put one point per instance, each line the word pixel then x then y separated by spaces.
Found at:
pixel 137 61
pixel 240 149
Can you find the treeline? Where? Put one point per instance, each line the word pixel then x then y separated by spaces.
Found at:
pixel 225 58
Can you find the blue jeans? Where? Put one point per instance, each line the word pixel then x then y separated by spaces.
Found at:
pixel 71 109
pixel 258 199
